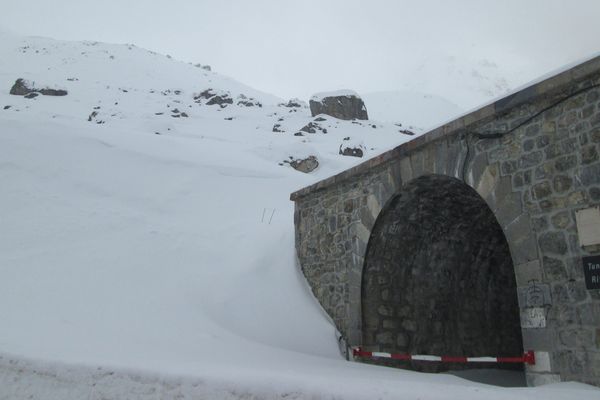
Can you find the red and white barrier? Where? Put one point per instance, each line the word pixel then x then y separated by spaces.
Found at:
pixel 528 357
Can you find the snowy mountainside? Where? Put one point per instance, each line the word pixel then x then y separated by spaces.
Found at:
pixel 123 85
pixel 418 108
pixel 466 81
pixel 136 238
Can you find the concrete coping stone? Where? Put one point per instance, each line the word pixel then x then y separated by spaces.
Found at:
pixel 550 86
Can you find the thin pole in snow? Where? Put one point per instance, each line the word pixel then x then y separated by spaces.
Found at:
pixel 270 219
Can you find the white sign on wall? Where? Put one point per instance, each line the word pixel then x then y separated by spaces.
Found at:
pixel 588 226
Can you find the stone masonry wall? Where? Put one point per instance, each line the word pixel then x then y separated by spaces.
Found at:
pixel 534 177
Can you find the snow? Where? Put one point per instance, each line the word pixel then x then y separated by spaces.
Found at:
pixel 136 256
pixel 335 93
pixel 416 107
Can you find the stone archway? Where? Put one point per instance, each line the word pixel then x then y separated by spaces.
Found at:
pixel 438 277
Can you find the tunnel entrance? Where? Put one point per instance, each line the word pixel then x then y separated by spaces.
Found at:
pixel 438 278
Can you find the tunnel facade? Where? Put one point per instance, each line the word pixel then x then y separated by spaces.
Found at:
pixel 438 278
pixel 534 159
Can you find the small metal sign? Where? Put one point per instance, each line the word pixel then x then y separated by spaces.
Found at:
pixel 591 271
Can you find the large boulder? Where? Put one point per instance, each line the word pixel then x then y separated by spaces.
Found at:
pixel 21 88
pixel 342 104
pixel 25 88
pixel 306 165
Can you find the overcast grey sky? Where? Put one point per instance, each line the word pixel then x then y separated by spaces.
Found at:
pixel 295 48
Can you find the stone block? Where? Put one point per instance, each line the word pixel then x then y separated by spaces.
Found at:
pixel 590 175
pixel 441 158
pixel 554 269
pixel 406 172
pixel 528 272
pixel 417 163
pixel 542 190
pixel 553 243
pixel 533 318
pixel 535 294
pixel 576 338
pixel 508 209
pixel 502 188
pixel 565 163
pixel 477 166
pixel 542 362
pixel 521 240
pixel 487 181
pixel 531 159
pixel 538 339
pixel 561 220
pixel 384 338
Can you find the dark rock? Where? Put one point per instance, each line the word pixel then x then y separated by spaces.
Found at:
pixel 590 175
pixel 406 132
pixel 351 151
pixel 277 128
pixel 184 115
pixel 204 67
pixel 20 88
pixel 93 116
pixel 305 165
pixel 293 103
pixel 320 119
pixel 207 94
pixel 298 134
pixel 248 102
pixel 553 243
pixel 542 190
pixel 345 107
pixel 221 100
pixel 310 128
pixel 562 183
pixel 7 107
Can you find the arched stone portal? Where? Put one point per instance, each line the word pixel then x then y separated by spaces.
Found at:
pixel 438 276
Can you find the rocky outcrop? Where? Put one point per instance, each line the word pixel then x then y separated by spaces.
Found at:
pixel 305 165
pixel 344 104
pixel 351 151
pixel 22 88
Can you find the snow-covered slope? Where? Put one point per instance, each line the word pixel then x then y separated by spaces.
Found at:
pixel 412 109
pixel 468 82
pixel 136 238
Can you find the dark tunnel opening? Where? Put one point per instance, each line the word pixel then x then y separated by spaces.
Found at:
pixel 438 279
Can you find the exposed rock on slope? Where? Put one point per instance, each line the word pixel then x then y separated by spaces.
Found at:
pixel 344 104
pixel 306 165
pixel 21 88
